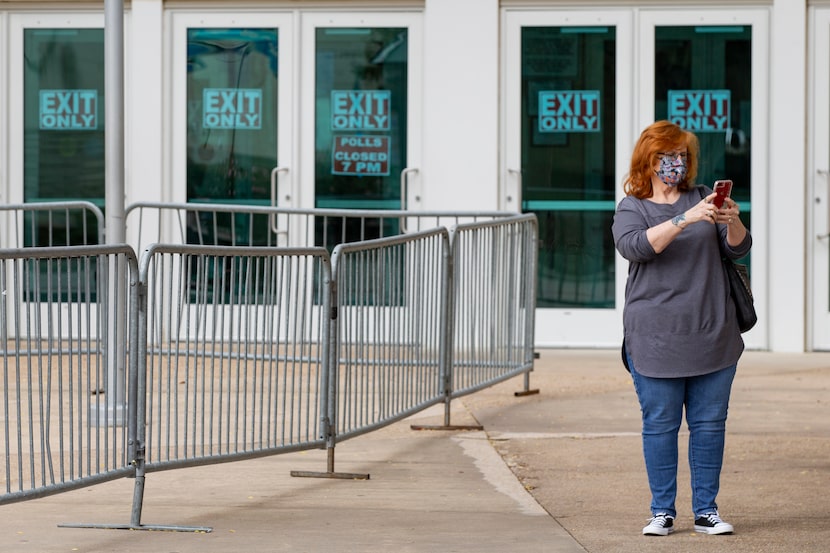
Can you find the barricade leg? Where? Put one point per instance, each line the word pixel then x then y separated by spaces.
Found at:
pixel 527 391
pixel 446 425
pixel 135 515
pixel 330 472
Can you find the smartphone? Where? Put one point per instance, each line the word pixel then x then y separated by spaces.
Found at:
pixel 723 189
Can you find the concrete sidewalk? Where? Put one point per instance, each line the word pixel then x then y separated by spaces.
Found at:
pixel 560 471
pixel 577 447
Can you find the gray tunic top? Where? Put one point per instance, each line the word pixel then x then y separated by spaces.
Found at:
pixel 679 319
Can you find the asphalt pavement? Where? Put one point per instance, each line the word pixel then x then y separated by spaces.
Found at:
pixel 559 471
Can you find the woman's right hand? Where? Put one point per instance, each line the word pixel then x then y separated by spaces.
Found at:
pixel 704 210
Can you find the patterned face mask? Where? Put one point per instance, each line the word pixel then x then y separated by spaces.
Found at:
pixel 672 169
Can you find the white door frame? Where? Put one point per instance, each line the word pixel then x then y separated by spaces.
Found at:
pixel 818 179
pixel 635 110
pixel 758 19
pixel 176 106
pixel 566 327
pixel 5 135
pixel 17 23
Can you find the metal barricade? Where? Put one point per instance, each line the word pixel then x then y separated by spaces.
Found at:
pixel 494 301
pixel 47 224
pixel 209 352
pixel 235 338
pixel 246 225
pixel 392 309
pixel 66 373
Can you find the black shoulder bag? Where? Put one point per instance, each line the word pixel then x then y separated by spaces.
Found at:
pixel 737 275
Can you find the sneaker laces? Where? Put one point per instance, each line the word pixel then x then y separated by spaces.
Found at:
pixel 660 519
pixel 713 518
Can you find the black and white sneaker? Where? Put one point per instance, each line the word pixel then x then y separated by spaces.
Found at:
pixel 711 523
pixel 660 525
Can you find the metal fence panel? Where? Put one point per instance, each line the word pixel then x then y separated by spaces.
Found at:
pixel 45 224
pixel 229 345
pixel 391 309
pixel 494 299
pixel 64 366
pixel 246 225
pixel 234 363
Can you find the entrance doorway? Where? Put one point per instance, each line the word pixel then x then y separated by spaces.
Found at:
pixel 294 109
pixel 573 110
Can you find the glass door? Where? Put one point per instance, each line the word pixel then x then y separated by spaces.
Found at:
pixel 359 94
pixel 232 111
pixel 567 76
pixel 711 78
pixel 57 116
pixel 249 128
pixel 818 172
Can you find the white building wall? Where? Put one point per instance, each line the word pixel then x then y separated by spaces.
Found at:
pixel 144 75
pixel 145 130
pixel 787 189
pixel 459 167
pixel 461 105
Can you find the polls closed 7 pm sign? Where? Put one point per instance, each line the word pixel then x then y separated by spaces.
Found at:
pixel 360 155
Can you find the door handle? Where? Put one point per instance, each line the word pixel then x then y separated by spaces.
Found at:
pixel 518 172
pixel 276 196
pixel 405 186
pixel 405 193
pixel 826 174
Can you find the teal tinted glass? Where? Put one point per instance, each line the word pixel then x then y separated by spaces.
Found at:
pixel 63 134
pixel 232 122
pixel 703 82
pixel 568 152
pixel 361 117
pixel 360 135
pixel 232 78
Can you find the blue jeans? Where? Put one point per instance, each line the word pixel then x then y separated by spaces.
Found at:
pixel 706 399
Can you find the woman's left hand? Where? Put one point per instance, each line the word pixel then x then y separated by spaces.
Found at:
pixel 729 213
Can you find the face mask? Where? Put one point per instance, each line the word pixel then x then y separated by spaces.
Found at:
pixel 672 170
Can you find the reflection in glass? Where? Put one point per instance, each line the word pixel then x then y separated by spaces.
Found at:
pixel 568 152
pixel 232 120
pixel 231 114
pixel 360 140
pixel 699 62
pixel 710 59
pixel 361 117
pixel 63 135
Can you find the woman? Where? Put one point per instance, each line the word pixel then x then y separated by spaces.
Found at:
pixel 682 342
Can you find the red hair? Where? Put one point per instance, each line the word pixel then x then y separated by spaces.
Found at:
pixel 660 136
